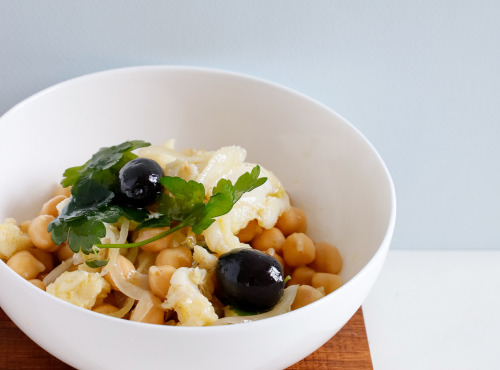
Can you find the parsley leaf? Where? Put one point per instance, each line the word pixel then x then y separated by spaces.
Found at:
pixel 84 233
pixel 224 197
pixel 94 202
pixel 84 230
pixel 94 263
pixel 159 221
pixel 185 197
pixel 104 159
pixel 247 182
pixel 220 203
pixel 81 222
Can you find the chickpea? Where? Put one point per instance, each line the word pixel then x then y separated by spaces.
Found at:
pixel 44 257
pixel 39 235
pixel 24 226
pixel 176 257
pixel 271 252
pixel 293 220
pixel 49 208
pixel 157 245
pixel 249 232
pixel 298 250
pixel 302 275
pixel 38 283
pixel 155 314
pixel 330 282
pixel 327 259
pixel 127 268
pixel 62 191
pixel 25 264
pixel 159 279
pixel 269 238
pixel 306 294
pixel 64 252
pixel 105 308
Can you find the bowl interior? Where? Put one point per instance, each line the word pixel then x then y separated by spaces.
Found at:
pixel 327 166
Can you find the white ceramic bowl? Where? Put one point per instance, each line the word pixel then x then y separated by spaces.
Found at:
pixel 328 167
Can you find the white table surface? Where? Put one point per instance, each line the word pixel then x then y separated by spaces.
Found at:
pixel 435 310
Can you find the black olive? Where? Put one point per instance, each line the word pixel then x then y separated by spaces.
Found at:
pixel 139 182
pixel 249 279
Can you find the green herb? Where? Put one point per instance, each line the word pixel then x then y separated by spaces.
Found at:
pixel 94 263
pixel 288 277
pixel 155 221
pixel 94 183
pixel 81 222
pixel 184 203
pixel 94 202
pixel 83 231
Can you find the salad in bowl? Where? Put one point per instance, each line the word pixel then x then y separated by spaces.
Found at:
pixel 159 236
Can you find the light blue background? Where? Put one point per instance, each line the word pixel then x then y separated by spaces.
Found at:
pixel 421 80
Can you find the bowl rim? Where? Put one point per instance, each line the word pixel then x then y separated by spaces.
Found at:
pixel 379 253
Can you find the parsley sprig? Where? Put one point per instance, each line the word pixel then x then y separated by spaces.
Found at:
pixel 185 204
pixel 93 198
pixel 94 202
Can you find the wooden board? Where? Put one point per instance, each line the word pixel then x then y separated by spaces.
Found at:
pixel 346 350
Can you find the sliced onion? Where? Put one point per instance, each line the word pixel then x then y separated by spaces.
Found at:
pixel 113 259
pixel 135 284
pixel 144 305
pixel 55 273
pixel 133 287
pixel 123 231
pixel 283 306
pixel 161 154
pixel 141 280
pixel 115 237
pixel 132 254
pixel 127 288
pixel 124 310
pixel 146 260
pixel 112 234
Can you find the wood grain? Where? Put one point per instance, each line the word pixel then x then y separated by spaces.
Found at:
pixel 348 349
